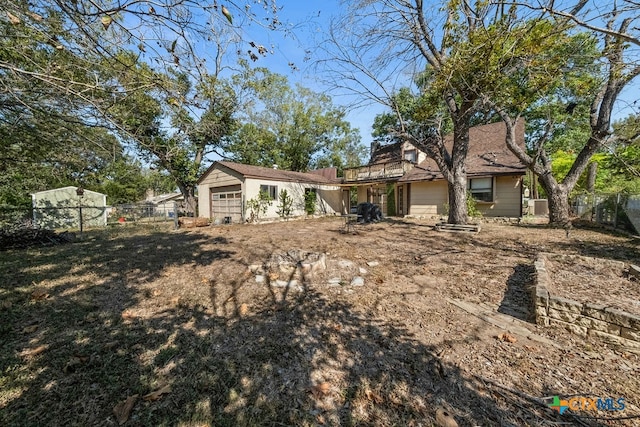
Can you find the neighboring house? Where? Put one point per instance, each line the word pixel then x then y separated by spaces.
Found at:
pixel 402 180
pixel 60 208
pixel 165 204
pixel 223 190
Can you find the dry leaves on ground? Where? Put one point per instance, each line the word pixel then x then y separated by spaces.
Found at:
pixel 39 295
pixel 32 352
pixel 320 390
pixel 155 395
pixel 123 409
pixel 507 338
pixel 30 329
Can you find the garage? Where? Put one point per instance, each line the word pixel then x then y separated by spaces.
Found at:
pixel 226 203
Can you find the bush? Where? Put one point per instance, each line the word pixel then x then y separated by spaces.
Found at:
pixel 258 206
pixel 286 202
pixel 310 198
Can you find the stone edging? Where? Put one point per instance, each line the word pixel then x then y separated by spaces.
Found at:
pixel 616 327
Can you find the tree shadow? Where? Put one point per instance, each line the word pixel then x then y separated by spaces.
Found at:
pixel 517 300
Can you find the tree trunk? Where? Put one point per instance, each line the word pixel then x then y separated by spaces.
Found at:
pixel 458 197
pixel 558 199
pixel 592 172
pixel 190 202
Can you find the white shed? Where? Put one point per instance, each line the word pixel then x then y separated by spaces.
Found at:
pixel 61 208
pixel 223 191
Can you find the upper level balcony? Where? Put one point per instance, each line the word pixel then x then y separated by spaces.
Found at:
pixel 378 171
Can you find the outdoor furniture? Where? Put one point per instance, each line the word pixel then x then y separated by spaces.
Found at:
pixel 350 221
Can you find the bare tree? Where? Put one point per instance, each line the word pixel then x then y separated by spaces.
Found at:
pixel 167 34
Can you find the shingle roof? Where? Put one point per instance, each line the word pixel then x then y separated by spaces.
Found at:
pixel 251 171
pixel 488 154
pixel 387 153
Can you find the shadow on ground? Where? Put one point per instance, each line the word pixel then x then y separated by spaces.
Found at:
pixel 517 300
pixel 284 358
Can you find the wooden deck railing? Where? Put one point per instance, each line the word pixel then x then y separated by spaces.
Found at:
pixel 378 171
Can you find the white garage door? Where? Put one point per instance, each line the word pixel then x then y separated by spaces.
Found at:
pixel 226 204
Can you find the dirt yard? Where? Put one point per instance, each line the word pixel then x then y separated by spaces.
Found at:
pixel 149 326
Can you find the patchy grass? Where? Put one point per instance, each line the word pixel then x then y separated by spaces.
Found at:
pixel 175 318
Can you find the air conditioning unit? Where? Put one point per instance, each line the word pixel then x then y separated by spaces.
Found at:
pixel 540 207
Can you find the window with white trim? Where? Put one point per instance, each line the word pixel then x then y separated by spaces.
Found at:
pixel 410 155
pixel 481 189
pixel 271 190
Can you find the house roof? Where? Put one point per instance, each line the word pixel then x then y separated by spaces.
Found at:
pixel 164 198
pixel 387 153
pixel 488 154
pixel 271 174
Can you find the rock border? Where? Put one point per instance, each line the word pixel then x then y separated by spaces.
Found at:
pixel 615 327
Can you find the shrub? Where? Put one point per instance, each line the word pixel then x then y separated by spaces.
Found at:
pixel 286 202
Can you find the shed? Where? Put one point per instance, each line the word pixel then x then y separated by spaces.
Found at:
pixel 226 186
pixel 61 208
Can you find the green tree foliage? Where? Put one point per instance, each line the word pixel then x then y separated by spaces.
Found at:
pixel 310 199
pixel 258 206
pixel 624 149
pixel 39 152
pixel 285 204
pixel 200 117
pixel 291 127
pixel 449 46
pixel 617 67
pixel 123 66
pixel 126 181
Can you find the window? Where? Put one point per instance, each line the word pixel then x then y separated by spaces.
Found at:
pixel 271 190
pixel 481 189
pixel 410 155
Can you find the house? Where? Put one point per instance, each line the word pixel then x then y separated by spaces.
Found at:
pixel 225 188
pixel 164 204
pixel 402 180
pixel 60 208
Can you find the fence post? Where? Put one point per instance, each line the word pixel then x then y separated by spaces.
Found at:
pixel 175 215
pixel 80 215
pixel 615 214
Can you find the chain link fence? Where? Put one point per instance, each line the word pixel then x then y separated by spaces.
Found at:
pixel 79 217
pixel 621 211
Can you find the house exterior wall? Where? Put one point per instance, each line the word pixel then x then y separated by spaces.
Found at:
pixel 329 198
pixel 58 208
pixel 362 194
pixel 507 196
pixel 428 198
pixel 421 156
pixel 216 178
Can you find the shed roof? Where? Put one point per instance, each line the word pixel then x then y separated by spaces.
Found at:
pixel 488 154
pixel 271 174
pixel 67 188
